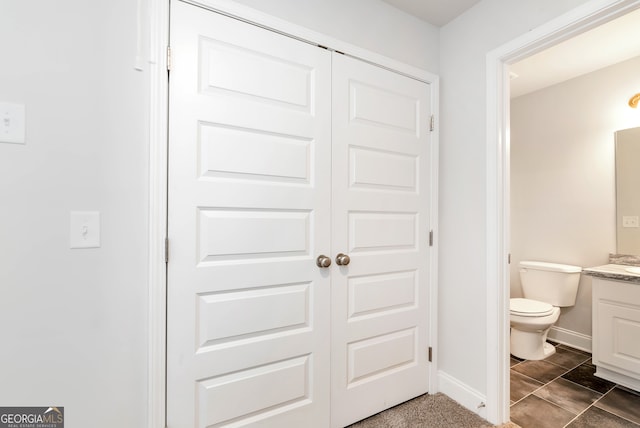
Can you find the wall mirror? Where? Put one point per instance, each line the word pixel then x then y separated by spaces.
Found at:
pixel 628 191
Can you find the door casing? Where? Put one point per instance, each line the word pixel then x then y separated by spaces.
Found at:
pixel 158 172
pixel 580 20
pixel 576 21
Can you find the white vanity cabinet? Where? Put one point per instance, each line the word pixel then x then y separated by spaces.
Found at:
pixel 616 331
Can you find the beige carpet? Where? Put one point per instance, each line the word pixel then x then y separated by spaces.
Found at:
pixel 427 411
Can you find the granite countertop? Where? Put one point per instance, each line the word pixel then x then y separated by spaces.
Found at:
pixel 613 271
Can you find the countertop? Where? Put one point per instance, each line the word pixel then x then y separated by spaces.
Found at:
pixel 613 271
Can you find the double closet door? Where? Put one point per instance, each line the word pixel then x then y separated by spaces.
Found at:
pixel 280 153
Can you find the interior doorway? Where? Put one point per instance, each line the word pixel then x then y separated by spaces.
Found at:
pixel 577 22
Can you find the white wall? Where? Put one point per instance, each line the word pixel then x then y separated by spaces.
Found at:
pixel 370 24
pixel 73 322
pixel 464 44
pixel 563 175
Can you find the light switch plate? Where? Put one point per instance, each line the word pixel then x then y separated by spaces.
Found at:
pixel 12 123
pixel 84 229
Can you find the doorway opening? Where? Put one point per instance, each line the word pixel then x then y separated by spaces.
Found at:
pixel 576 22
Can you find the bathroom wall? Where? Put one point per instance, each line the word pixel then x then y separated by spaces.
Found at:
pixel 563 178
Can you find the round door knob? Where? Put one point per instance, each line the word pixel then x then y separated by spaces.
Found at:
pixel 342 259
pixel 323 261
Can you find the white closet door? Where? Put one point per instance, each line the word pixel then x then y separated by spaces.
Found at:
pixel 379 334
pixel 249 212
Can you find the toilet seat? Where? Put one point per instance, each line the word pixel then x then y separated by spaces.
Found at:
pixel 529 308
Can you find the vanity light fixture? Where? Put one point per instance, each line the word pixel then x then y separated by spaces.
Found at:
pixel 633 101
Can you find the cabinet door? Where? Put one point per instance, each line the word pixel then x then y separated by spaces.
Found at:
pixel 617 326
pixel 249 212
pixel 379 335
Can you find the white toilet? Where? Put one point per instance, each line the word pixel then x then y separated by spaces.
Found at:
pixel 546 288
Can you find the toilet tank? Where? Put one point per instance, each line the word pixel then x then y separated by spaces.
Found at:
pixel 553 283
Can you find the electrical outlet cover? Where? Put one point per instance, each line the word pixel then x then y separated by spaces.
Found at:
pixel 630 221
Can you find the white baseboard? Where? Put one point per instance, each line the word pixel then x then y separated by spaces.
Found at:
pixel 462 393
pixel 570 338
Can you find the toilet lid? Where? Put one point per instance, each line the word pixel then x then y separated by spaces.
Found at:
pixel 529 308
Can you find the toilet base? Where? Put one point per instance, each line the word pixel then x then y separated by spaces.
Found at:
pixel 531 345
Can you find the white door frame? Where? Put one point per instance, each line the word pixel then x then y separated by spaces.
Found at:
pixel 577 21
pixel 158 138
pixel 158 27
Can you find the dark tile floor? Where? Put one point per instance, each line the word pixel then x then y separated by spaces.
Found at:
pixel 562 391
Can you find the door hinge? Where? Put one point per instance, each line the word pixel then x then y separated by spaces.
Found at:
pixel 431 238
pixel 168 58
pixel 509 259
pixel 166 250
pixel 432 123
pixel 430 354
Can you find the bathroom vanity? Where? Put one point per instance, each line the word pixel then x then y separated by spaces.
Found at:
pixel 616 323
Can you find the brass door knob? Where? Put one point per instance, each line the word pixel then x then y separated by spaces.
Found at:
pixel 323 261
pixel 342 259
